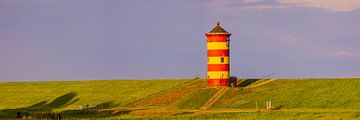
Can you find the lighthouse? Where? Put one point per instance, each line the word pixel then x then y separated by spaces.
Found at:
pixel 218 54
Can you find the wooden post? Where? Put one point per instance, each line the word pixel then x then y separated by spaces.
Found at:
pixel 256 104
pixel 268 105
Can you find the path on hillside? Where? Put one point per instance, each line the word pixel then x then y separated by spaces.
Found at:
pixel 281 110
pixel 262 83
pixel 171 112
pixel 221 91
pixel 171 95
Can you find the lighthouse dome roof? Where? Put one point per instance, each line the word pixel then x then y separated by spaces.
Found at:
pixel 218 29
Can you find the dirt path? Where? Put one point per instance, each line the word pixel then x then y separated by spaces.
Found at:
pixel 171 95
pixel 222 90
pixel 172 112
pixel 281 110
pixel 262 83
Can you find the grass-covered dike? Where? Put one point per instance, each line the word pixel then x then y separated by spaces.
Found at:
pixel 180 98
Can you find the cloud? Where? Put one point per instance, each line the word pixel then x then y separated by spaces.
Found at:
pixel 235 6
pixel 252 1
pixel 337 53
pixel 346 53
pixel 333 5
pixel 278 36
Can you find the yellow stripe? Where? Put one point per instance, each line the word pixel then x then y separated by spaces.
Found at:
pixel 217 60
pixel 217 45
pixel 218 74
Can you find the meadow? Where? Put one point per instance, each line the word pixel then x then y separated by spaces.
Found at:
pixel 297 94
pixel 93 92
pixel 181 99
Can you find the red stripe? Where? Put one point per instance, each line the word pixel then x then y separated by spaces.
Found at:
pixel 224 82
pixel 213 82
pixel 217 38
pixel 218 82
pixel 218 67
pixel 218 79
pixel 217 53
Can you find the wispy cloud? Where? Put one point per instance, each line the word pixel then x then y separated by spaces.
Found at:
pixel 346 53
pixel 331 5
pixel 228 7
pixel 337 53
pixel 278 36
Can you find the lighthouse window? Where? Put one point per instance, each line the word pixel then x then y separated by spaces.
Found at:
pixel 222 60
pixel 228 41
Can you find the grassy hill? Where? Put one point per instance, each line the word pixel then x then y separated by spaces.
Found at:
pixel 122 92
pixel 296 94
pixel 292 98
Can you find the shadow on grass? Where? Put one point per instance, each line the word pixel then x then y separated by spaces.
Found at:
pixel 247 82
pixel 42 106
pixel 45 109
pixel 102 110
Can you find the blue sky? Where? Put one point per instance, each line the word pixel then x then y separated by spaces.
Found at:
pixel 141 39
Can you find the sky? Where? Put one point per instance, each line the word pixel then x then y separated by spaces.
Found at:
pixel 45 40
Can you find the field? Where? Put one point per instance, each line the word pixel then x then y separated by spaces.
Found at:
pixel 182 98
pixel 297 93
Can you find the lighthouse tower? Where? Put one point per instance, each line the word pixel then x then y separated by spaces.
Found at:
pixel 218 42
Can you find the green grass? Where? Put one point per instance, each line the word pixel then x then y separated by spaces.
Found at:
pixel 196 99
pixel 310 98
pixel 23 94
pixel 248 116
pixel 297 94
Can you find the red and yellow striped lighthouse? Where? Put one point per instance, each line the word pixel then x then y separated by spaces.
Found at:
pixel 218 40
